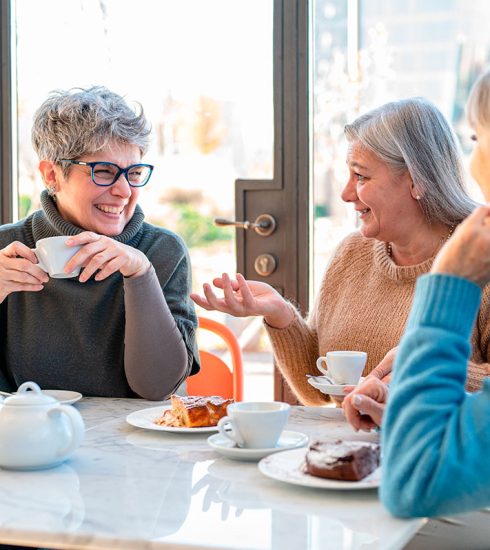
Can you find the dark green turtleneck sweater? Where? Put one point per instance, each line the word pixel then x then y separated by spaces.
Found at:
pixel 120 337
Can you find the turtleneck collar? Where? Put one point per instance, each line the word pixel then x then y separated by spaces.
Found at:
pixel 49 223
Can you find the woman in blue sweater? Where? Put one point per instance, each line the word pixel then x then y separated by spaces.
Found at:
pixel 435 436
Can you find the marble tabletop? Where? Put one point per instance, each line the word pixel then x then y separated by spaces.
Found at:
pixel 131 488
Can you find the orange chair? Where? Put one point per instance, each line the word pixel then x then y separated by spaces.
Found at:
pixel 215 377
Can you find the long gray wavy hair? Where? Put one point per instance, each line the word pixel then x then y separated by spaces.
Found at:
pixel 412 134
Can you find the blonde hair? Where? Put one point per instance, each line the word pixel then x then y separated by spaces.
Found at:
pixel 478 105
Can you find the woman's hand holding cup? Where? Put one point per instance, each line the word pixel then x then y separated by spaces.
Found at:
pixel 104 256
pixel 19 271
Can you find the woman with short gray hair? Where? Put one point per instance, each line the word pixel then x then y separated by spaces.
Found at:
pixel 126 326
pixel 406 185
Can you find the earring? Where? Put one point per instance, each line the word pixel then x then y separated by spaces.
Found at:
pixel 51 190
pixel 417 198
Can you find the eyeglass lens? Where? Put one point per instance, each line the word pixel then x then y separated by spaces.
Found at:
pixel 105 173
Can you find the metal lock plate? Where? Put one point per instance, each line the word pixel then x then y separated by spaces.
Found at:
pixel 265 265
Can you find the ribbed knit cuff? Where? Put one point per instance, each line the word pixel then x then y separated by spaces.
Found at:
pixel 445 301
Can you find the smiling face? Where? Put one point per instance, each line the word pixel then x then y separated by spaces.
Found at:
pixel 104 210
pixel 384 199
pixel 480 159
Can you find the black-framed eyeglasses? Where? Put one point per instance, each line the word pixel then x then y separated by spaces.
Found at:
pixel 106 174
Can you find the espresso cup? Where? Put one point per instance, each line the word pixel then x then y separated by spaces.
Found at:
pixel 53 254
pixel 343 367
pixel 254 424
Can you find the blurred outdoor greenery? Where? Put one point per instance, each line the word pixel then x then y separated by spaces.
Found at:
pixel 198 230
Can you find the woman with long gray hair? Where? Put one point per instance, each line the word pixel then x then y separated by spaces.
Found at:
pixel 406 184
pixel 125 326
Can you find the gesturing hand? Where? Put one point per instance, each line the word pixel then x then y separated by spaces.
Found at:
pixel 105 255
pixel 243 298
pixel 19 271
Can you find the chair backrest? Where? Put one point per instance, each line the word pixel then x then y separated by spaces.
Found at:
pixel 215 376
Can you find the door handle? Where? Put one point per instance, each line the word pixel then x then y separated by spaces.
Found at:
pixel 264 225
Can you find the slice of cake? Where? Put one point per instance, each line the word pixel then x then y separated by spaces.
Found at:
pixel 194 411
pixel 343 460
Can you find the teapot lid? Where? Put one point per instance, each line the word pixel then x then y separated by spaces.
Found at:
pixel 29 393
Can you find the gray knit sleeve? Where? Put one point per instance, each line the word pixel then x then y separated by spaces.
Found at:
pixel 155 353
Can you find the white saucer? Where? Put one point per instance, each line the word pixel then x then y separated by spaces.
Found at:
pixel 322 384
pixel 64 396
pixel 226 447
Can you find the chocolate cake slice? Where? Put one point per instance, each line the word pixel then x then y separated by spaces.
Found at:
pixel 343 460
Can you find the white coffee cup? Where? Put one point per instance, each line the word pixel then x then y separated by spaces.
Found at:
pixel 255 424
pixel 53 254
pixel 343 367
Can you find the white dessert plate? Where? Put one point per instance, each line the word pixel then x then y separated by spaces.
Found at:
pixel 64 396
pixel 226 447
pixel 288 466
pixel 322 384
pixel 145 418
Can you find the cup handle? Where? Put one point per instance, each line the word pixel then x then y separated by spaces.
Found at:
pixel 320 367
pixel 230 433
pixel 40 262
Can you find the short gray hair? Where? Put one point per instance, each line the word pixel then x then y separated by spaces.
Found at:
pixel 412 134
pixel 75 122
pixel 478 105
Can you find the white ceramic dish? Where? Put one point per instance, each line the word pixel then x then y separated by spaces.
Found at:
pixel 145 418
pixel 322 384
pixel 288 466
pixel 226 447
pixel 64 396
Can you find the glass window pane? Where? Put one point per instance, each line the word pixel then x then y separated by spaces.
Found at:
pixel 202 69
pixel 368 52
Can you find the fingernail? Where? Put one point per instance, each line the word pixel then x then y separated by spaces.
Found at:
pixel 357 399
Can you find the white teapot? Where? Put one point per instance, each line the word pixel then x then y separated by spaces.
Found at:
pixel 36 431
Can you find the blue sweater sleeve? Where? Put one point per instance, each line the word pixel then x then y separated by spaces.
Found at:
pixel 435 436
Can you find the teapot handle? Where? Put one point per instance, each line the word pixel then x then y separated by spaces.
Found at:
pixel 77 427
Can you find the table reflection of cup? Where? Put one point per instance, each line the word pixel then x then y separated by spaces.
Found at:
pixel 343 367
pixel 343 525
pixel 53 496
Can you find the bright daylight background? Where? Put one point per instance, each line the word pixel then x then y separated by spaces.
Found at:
pixel 202 69
pixel 207 88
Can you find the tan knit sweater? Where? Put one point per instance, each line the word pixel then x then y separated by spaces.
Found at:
pixel 363 304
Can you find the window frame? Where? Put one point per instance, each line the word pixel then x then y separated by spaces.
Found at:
pixel 7 127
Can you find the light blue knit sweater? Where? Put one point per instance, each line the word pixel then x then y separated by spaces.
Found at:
pixel 435 436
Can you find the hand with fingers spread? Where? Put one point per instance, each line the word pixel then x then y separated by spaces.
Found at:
pixel 104 256
pixel 364 406
pixel 243 298
pixel 19 271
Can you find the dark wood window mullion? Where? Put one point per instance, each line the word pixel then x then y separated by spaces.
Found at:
pixel 6 116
